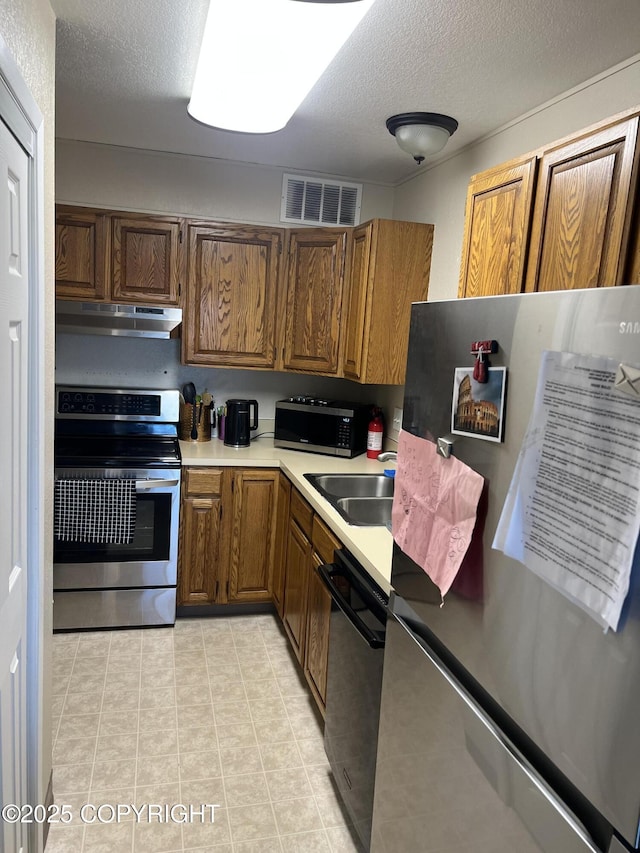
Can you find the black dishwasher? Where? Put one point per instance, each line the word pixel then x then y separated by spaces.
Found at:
pixel 354 682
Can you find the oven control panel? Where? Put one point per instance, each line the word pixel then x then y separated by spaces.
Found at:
pixel 86 403
pixel 111 403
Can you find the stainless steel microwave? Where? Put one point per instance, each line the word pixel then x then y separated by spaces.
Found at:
pixel 316 425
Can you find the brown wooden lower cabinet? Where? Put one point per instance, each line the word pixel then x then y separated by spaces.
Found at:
pixel 200 536
pixel 253 529
pixel 280 558
pixel 317 640
pixel 295 588
pixel 227 535
pixel 307 602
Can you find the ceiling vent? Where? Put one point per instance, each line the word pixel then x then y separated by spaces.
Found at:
pixel 309 201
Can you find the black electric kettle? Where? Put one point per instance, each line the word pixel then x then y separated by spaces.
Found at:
pixel 238 422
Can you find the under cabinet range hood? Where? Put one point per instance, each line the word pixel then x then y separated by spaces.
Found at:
pixel 107 318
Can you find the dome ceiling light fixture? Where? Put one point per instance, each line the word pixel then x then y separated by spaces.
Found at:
pixel 421 134
pixel 259 60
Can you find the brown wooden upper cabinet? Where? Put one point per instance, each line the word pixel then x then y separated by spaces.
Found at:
pixel 388 270
pixel 339 305
pixel 81 253
pixel 582 210
pixel 147 259
pixel 103 256
pixel 557 219
pixel 496 228
pixel 314 289
pixel 230 306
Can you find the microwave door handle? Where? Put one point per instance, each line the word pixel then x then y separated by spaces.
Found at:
pixel 327 573
pixel 147 485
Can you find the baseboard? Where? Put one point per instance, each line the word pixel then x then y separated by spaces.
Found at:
pixel 198 610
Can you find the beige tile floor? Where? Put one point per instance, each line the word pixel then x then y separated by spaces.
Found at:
pixel 213 711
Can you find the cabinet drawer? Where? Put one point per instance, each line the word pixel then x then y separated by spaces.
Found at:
pixel 203 481
pixel 324 542
pixel 301 511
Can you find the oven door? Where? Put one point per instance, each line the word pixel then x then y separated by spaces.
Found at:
pixel 149 560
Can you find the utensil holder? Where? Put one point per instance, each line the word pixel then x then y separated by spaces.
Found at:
pixel 203 425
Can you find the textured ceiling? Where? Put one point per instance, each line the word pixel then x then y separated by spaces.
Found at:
pixel 124 71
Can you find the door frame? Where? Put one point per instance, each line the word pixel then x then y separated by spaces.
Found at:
pixel 21 114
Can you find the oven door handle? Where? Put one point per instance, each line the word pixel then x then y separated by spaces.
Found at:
pixel 372 638
pixel 147 485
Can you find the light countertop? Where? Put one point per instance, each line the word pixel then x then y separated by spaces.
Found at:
pixel 372 546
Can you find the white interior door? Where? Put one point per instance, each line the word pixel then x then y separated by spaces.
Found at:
pixel 14 306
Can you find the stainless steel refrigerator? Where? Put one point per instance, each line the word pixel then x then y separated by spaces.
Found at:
pixel 510 720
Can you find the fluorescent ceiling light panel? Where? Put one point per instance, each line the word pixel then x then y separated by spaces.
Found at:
pixel 260 58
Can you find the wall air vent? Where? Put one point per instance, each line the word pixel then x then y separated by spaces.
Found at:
pixel 310 201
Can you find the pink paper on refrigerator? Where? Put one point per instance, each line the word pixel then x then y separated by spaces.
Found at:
pixel 435 504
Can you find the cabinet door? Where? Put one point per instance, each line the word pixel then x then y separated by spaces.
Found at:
pixel 581 216
pixel 496 228
pixel 315 277
pixel 81 253
pixel 231 296
pixel 317 640
pixel 198 581
pixel 355 320
pixel 323 541
pixel 253 535
pixel 295 590
pixel 280 556
pixel 146 264
pixel 389 269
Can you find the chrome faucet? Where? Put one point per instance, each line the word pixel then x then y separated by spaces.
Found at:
pixel 388 455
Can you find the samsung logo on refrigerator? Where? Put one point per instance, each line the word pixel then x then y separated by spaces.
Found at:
pixel 630 328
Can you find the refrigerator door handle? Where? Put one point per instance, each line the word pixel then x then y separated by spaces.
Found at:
pixel 327 573
pixel 568 821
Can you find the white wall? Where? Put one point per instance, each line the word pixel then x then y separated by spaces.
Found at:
pixel 438 195
pixel 130 179
pixel 28 29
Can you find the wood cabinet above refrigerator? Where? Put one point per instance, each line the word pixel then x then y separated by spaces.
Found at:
pixel 496 229
pixel 559 218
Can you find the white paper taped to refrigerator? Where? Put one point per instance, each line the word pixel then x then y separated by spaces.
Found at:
pixel 572 513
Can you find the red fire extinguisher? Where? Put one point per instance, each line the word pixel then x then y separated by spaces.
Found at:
pixel 374 434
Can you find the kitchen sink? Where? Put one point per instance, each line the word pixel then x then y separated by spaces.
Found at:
pixel 365 510
pixel 361 499
pixel 353 485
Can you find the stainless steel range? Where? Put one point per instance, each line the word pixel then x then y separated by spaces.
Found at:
pixel 116 508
